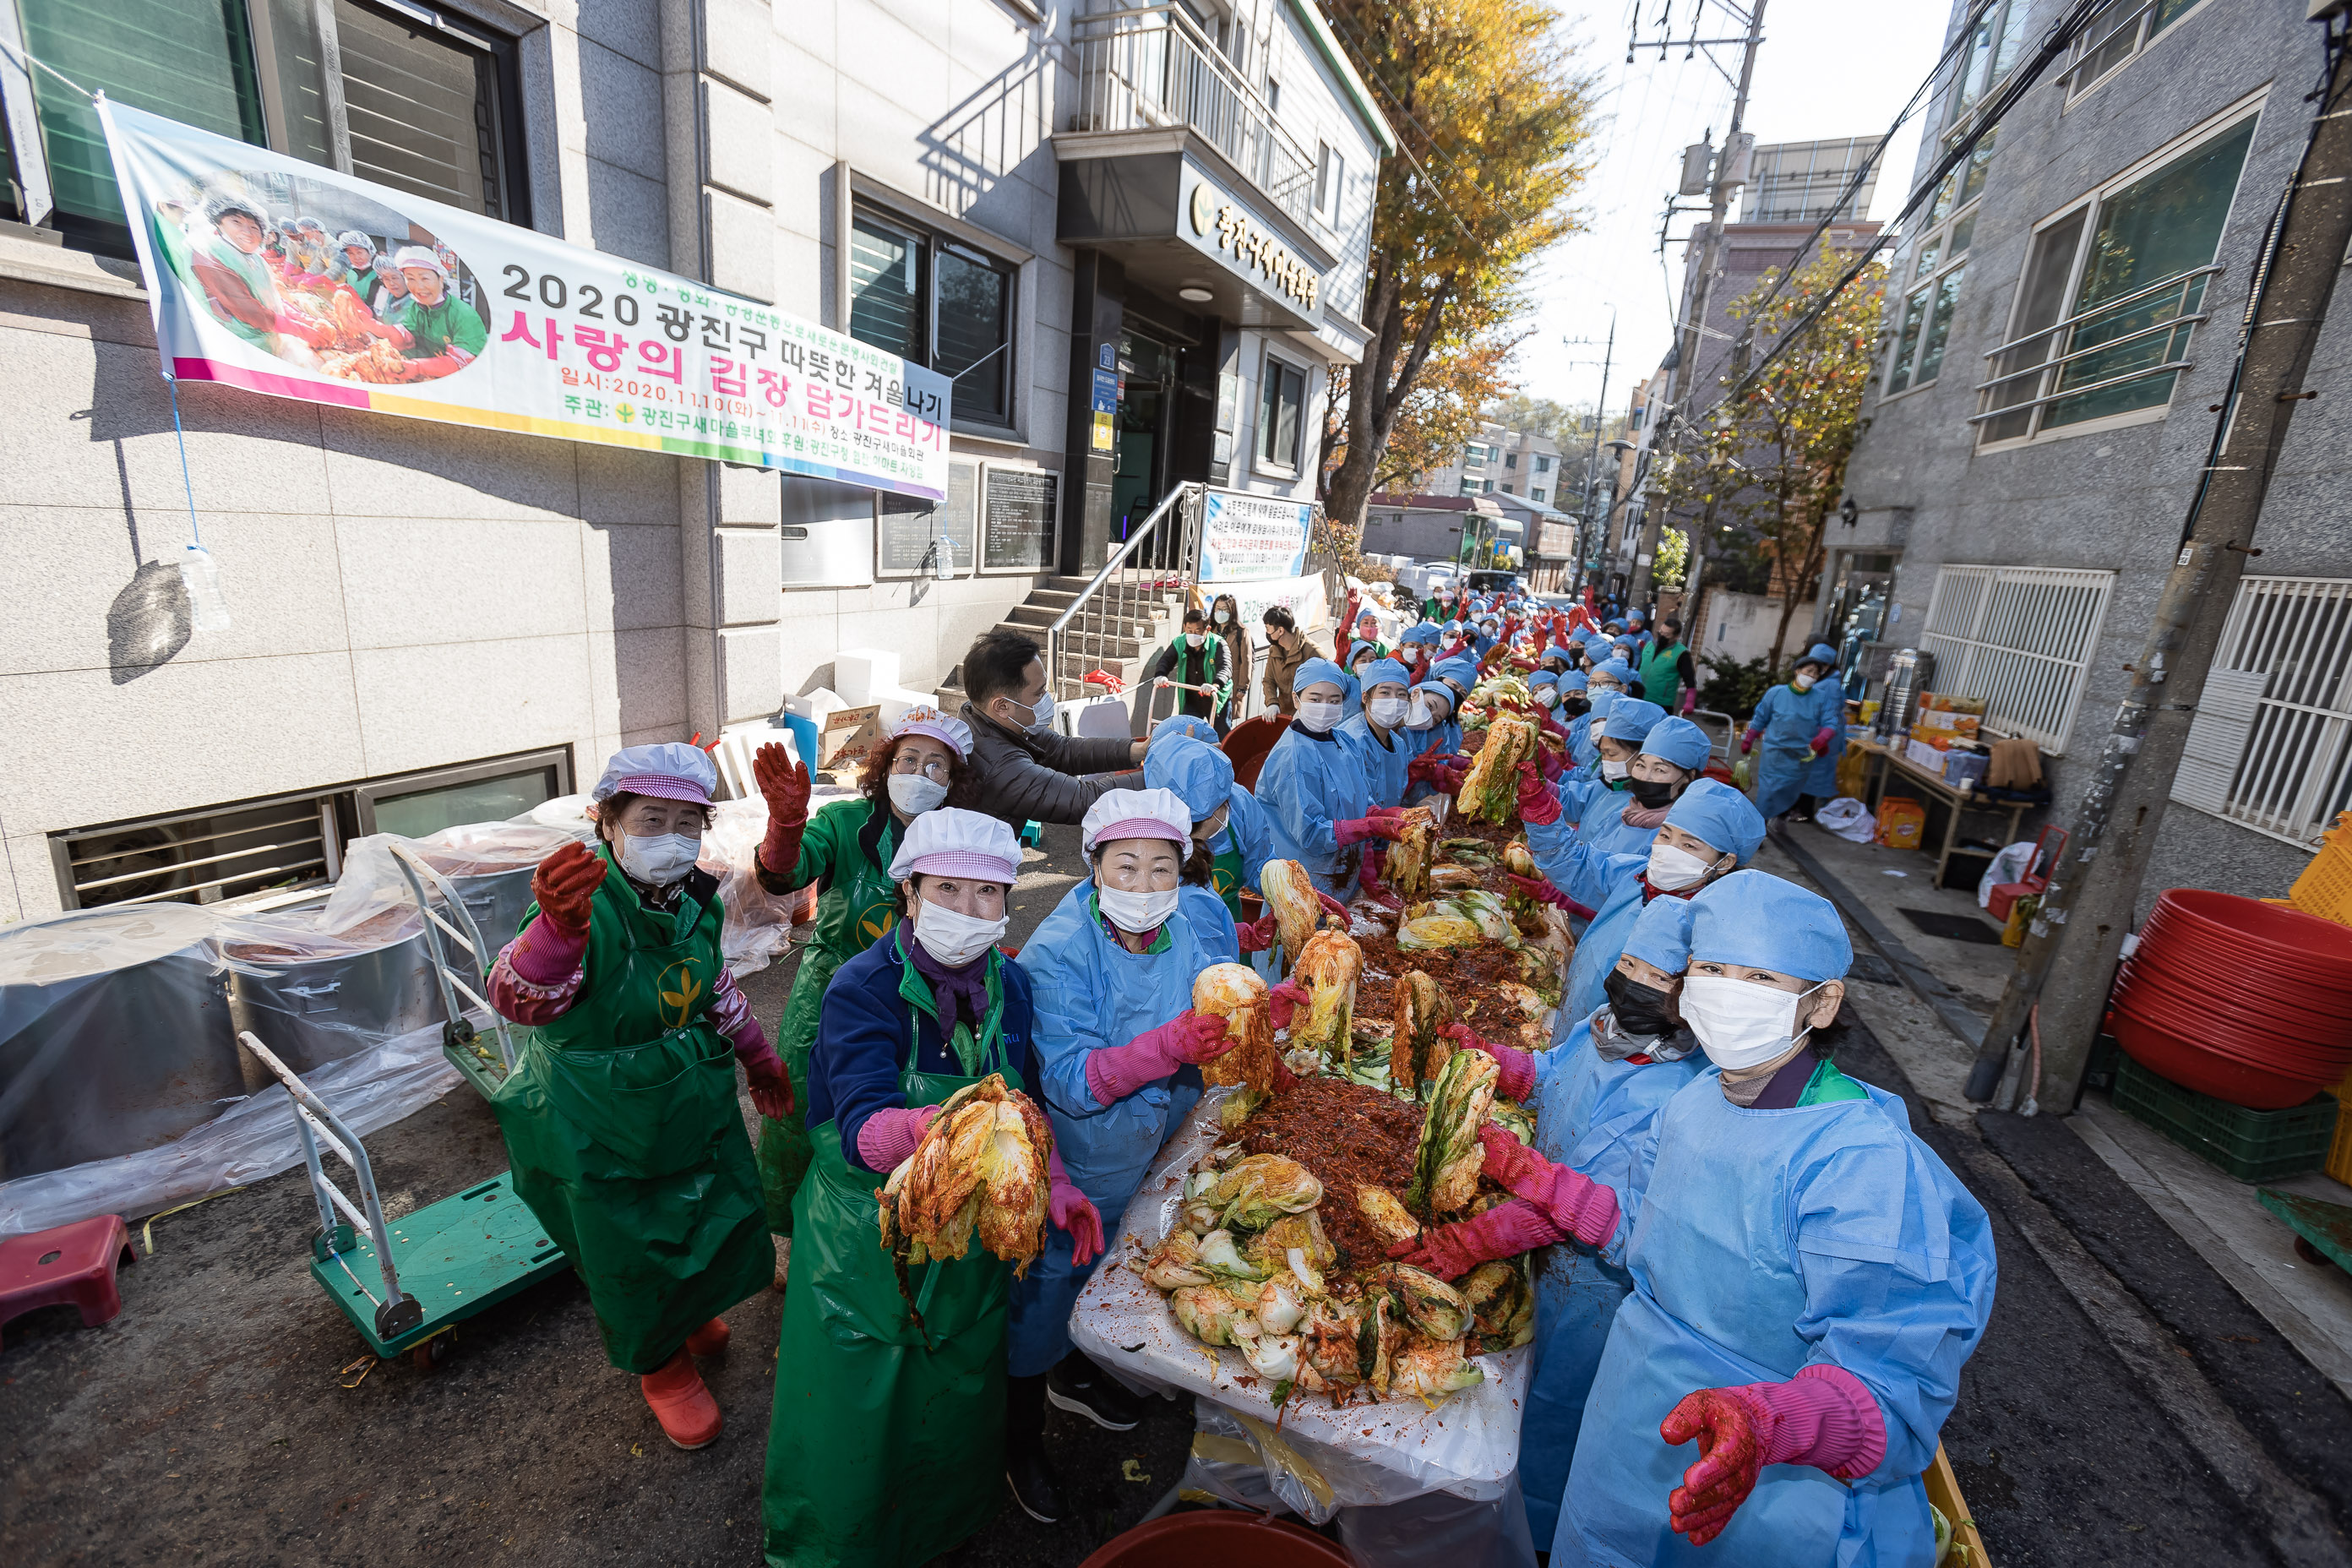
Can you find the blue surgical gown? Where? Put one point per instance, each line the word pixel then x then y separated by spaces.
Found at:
pixel 1091 992
pixel 1609 884
pixel 1383 762
pixel 1308 783
pixel 1767 1241
pixel 1786 766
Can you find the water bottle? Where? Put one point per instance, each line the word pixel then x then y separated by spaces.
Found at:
pixel 207 611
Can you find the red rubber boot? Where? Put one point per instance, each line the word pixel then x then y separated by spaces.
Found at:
pixel 688 1415
pixel 710 1338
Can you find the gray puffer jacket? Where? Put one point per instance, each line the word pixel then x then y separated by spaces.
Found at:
pixel 1027 774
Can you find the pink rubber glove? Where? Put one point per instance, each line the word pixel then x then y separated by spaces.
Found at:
pixel 1690 703
pixel 1550 765
pixel 1539 807
pixel 1259 935
pixel 1518 1076
pixel 1572 1200
pixel 1747 740
pixel 1824 1417
pixel 1355 830
pixel 1543 892
pixel 1114 1072
pixel 1450 1251
pixel 889 1136
pixel 1821 741
pixel 1069 1208
pixel 1282 1001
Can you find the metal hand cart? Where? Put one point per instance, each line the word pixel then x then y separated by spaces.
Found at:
pixel 448 1260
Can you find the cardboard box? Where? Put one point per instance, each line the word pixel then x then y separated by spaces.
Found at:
pixel 847 736
pixel 1935 702
pixel 1943 721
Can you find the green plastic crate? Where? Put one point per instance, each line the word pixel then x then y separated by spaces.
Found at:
pixel 2251 1145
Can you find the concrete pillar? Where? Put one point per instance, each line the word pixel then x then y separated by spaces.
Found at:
pixel 1098 313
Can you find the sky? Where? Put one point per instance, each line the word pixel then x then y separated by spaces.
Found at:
pixel 1826 67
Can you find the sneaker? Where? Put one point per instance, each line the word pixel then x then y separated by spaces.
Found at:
pixel 688 1415
pixel 1034 1486
pixel 710 1338
pixel 1098 1399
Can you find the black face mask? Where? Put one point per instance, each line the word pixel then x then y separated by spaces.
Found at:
pixel 1640 1009
pixel 1576 706
pixel 1650 794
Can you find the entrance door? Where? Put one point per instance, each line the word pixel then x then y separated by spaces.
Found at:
pixel 1147 373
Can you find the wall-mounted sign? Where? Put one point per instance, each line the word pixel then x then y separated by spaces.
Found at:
pixel 1246 538
pixel 1018 508
pixel 1105 407
pixel 910 532
pixel 1225 228
pixel 438 313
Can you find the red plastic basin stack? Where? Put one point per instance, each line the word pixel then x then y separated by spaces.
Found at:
pixel 2248 1002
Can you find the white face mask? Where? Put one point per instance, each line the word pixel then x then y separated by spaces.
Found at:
pixel 1547 696
pixel 1596 688
pixel 1136 913
pixel 1216 825
pixel 1672 868
pixel 1740 1023
pixel 659 861
pixel 1417 715
pixel 1613 770
pixel 915 793
pixel 1224 615
pixel 1041 712
pixel 1805 682
pixel 1194 639
pixel 1319 716
pixel 1388 712
pixel 953 938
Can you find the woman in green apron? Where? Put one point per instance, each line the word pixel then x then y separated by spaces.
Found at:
pixel 620 1116
pixel 845 850
pixel 888 1432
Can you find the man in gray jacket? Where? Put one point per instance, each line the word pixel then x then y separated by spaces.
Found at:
pixel 1025 769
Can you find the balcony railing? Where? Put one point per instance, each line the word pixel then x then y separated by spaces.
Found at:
pixel 1150 67
pixel 2118 355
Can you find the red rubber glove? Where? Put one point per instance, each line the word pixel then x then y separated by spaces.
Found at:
pixel 1824 1416
pixel 1331 906
pixel 1548 764
pixel 1355 830
pixel 1114 1072
pixel 1071 1210
pixel 563 885
pixel 1747 740
pixel 1572 1200
pixel 1518 1077
pixel 1822 741
pixel 1282 1001
pixel 1260 934
pixel 1450 1251
pixel 770 1084
pixel 1539 807
pixel 784 785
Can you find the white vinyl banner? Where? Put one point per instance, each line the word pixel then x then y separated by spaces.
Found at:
pixel 1246 538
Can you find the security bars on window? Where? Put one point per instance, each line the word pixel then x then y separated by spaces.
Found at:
pixel 2017 636
pixel 2270 746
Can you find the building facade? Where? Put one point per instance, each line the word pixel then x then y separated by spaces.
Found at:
pixel 2058 325
pixel 1133 239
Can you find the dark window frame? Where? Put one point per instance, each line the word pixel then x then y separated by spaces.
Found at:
pixel 1273 375
pixel 932 245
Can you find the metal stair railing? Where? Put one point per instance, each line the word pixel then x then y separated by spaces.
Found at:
pixel 1160 553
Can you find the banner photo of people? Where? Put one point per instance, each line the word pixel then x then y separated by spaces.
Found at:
pixel 281 276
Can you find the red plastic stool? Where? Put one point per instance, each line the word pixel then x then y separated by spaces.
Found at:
pixel 73 1263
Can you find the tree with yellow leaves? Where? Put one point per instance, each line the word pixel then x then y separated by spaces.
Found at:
pixel 1490 115
pixel 1771 454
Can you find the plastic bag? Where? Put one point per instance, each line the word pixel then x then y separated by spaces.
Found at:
pixel 252 1139
pixel 759 923
pixel 371 881
pixel 1363 1455
pixel 1848 818
pixel 2010 864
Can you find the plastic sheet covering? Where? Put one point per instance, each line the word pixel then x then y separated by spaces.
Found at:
pixel 1363 1455
pixel 315 996
pixel 759 923
pixel 371 881
pixel 1245 1461
pixel 252 1138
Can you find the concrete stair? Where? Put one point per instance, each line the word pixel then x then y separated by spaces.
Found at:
pixel 1133 639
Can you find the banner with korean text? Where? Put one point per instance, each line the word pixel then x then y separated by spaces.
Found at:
pixel 1248 538
pixel 285 277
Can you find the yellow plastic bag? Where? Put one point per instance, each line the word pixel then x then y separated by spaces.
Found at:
pixel 1902 823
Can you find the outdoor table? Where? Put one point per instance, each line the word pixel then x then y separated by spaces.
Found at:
pixel 1887 764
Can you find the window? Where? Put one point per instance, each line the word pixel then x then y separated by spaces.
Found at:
pixel 1486 487
pixel 2268 747
pixel 1281 409
pixel 419 103
pixel 1993 49
pixel 1510 460
pixel 2117 33
pixel 1536 495
pixel 1934 267
pixel 938 302
pixel 2110 293
pixel 2017 636
pixel 1543 464
pixel 1474 456
pixel 1331 175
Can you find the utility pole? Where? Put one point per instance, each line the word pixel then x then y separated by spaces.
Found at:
pixel 2077 938
pixel 1710 253
pixel 1592 462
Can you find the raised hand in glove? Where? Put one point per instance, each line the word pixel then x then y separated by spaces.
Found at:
pixel 1114 1072
pixel 564 884
pixel 1539 807
pixel 1518 1076
pixel 784 785
pixel 1549 763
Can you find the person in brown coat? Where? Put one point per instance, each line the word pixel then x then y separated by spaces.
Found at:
pixel 1287 647
pixel 1225 621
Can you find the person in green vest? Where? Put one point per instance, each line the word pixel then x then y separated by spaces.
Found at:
pixel 620 1116
pixel 845 850
pixel 889 1437
pixel 1196 659
pixel 436 332
pixel 1667 676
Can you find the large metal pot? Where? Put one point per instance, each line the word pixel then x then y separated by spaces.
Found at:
pixel 497 900
pixel 314 999
pixel 114 1035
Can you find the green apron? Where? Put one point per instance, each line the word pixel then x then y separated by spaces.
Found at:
pixel 854 909
pixel 1225 875
pixel 625 1136
pixel 886 1444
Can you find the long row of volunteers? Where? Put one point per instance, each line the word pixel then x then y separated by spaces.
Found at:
pixel 1756 1286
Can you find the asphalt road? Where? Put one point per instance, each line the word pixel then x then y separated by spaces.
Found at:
pixel 2125 1404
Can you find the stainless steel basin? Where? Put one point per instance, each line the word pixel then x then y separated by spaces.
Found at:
pixel 315 999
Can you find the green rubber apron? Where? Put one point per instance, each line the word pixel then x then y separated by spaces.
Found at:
pixel 625 1136
pixel 887 1447
pixel 852 912
pixel 1225 875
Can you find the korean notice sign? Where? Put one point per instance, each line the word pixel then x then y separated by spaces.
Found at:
pixel 1246 538
pixel 284 278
